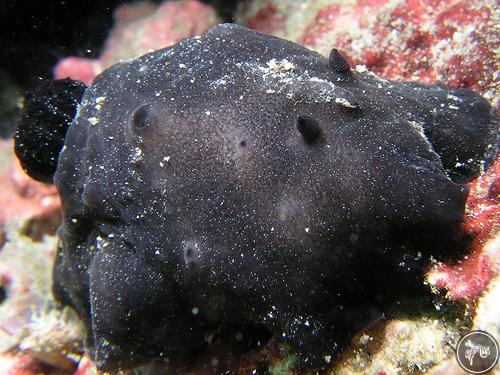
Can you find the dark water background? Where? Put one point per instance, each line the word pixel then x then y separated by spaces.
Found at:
pixel 35 34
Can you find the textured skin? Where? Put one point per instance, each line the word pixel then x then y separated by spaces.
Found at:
pixel 192 196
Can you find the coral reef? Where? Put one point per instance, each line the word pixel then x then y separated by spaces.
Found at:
pixel 398 155
pixel 451 41
pixel 469 277
pixel 141 28
pixel 35 335
pixel 34 204
pixel 392 347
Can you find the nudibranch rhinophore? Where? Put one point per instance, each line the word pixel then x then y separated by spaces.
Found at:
pixel 238 178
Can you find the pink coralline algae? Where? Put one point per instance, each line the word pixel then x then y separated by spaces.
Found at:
pixel 20 364
pixel 267 20
pixel 34 334
pixel 471 276
pixel 451 41
pixel 23 198
pixel 141 28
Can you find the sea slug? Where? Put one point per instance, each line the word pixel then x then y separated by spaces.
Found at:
pixel 241 179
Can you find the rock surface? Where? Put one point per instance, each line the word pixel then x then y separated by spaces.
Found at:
pixel 451 41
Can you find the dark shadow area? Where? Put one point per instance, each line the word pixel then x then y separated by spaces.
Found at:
pixel 36 228
pixel 3 294
pixel 3 238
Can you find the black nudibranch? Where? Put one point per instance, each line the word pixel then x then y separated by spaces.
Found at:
pixel 241 179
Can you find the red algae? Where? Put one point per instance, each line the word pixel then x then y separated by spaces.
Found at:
pixel 470 277
pixel 267 19
pixel 452 41
pixel 23 198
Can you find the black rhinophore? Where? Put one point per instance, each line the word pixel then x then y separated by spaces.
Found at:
pixel 338 63
pixel 308 126
pixel 48 111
